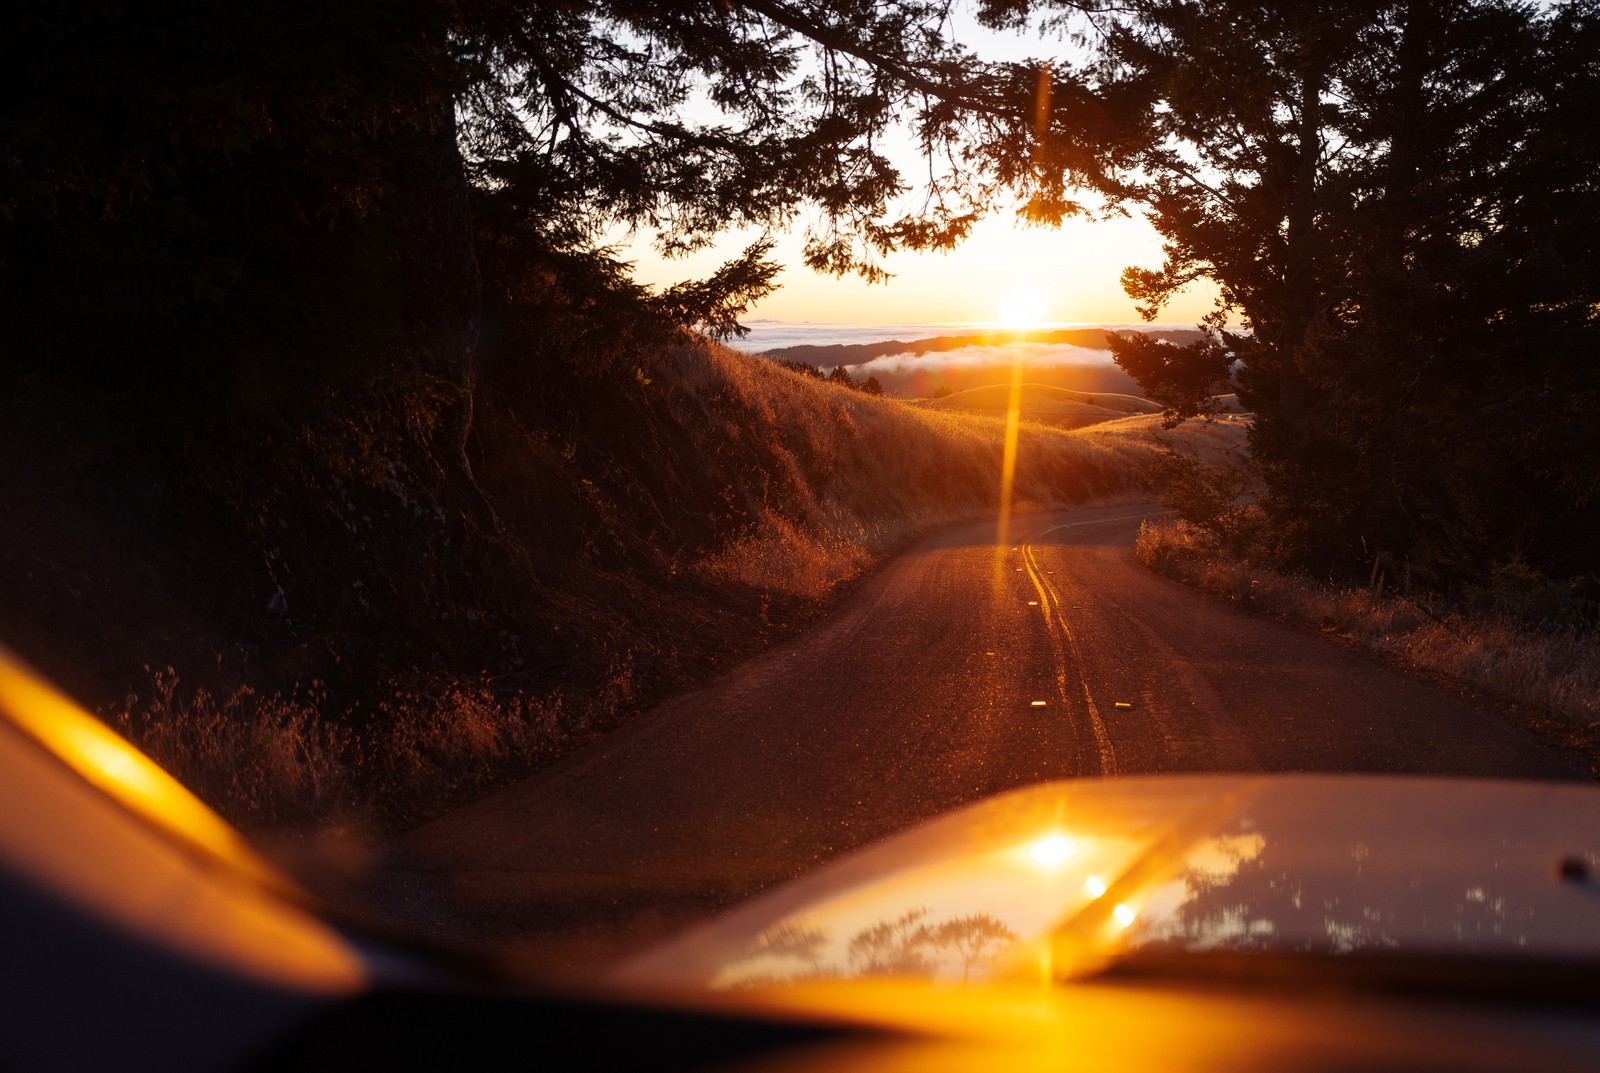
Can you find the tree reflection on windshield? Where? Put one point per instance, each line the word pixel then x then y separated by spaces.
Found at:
pixel 1289 887
pixel 905 946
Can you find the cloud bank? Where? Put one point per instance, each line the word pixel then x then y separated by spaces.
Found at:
pixel 1032 355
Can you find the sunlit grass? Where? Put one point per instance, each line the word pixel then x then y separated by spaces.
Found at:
pixel 1557 670
pixel 827 480
pixel 284 761
pixel 864 475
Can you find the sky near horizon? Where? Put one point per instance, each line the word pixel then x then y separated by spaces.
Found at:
pixel 1066 275
pixel 1003 273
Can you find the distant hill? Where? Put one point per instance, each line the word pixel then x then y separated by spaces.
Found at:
pixel 834 354
pixel 924 377
pixel 1049 405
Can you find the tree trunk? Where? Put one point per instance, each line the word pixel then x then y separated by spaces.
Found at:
pixel 1300 284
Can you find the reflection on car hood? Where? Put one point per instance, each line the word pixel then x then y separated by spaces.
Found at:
pixel 1061 878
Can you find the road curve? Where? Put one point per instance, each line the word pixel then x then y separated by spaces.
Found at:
pixel 961 669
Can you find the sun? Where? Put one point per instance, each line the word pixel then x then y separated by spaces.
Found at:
pixel 1022 308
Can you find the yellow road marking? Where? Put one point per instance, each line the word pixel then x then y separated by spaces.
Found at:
pixel 1066 649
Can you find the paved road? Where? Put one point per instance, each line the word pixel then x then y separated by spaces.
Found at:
pixel 961 669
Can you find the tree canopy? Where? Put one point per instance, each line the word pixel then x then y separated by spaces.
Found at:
pixel 1398 201
pixel 277 204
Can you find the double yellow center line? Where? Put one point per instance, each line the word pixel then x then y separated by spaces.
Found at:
pixel 1067 658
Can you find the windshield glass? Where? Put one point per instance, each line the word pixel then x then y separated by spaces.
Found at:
pixel 739 495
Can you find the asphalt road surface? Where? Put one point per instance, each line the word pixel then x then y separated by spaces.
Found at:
pixel 961 669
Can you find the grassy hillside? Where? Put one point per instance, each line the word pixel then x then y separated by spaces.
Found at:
pixel 881 472
pixel 1043 403
pixel 367 625
pixel 831 354
pixel 1217 443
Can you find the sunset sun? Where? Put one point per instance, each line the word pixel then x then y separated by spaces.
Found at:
pixel 1022 308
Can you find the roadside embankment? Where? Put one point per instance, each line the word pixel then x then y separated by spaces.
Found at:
pixel 1555 669
pixel 366 613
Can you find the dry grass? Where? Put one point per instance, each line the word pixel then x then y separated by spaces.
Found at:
pixel 1063 407
pixel 1140 439
pixel 865 474
pixel 275 762
pixel 826 482
pixel 1556 670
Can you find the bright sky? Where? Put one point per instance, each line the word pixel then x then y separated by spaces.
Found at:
pixel 1003 272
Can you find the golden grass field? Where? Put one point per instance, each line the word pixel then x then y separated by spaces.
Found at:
pixel 895 469
pixel 1044 404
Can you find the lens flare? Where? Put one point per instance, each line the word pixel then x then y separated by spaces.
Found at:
pixel 1008 460
pixel 1022 308
pixel 1051 851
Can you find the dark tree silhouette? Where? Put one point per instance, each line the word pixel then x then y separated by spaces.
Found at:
pixel 897 947
pixel 798 951
pixel 1396 199
pixel 977 940
pixel 803 368
pixel 237 223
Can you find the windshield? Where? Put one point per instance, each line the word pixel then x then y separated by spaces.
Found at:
pixel 738 496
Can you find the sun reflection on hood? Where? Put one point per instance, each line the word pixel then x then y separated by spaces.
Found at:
pixel 959 918
pixel 1060 880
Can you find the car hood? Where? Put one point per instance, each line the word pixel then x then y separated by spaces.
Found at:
pixel 145 934
pixel 1061 879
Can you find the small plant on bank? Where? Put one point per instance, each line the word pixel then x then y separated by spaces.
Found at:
pixel 1212 499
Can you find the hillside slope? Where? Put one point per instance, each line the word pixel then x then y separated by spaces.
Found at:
pixel 1057 406
pixel 361 620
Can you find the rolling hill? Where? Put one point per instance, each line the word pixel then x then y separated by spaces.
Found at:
pixel 1061 407
pixel 403 636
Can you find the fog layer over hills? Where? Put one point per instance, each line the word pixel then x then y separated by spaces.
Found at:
pixel 916 361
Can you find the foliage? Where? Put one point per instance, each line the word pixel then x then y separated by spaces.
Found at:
pixel 803 368
pixel 1209 497
pixel 243 222
pixel 1187 379
pixel 839 375
pixel 215 184
pixel 289 762
pixel 1396 199
pixel 684 120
